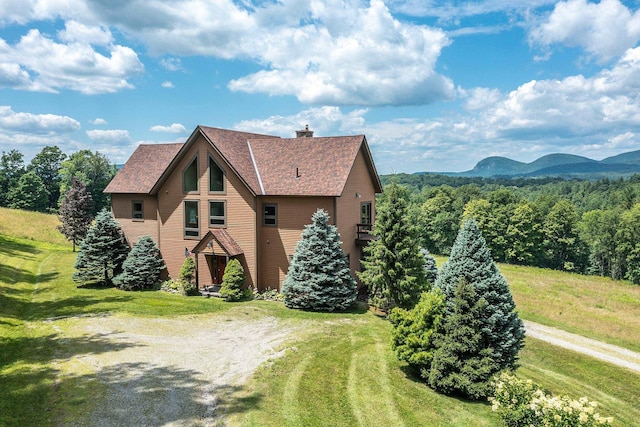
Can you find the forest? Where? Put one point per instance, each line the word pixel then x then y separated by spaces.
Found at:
pixel 583 226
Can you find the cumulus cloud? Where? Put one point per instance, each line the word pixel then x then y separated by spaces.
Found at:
pixel 112 136
pixel 167 85
pixel 173 128
pixel 324 121
pixel 604 30
pixel 335 52
pixel 98 121
pixel 40 124
pixel 39 63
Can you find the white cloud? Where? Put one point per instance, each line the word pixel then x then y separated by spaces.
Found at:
pixel 342 57
pixel 174 128
pixel 39 124
pixel 324 121
pixel 604 30
pixel 98 121
pixel 38 63
pixel 167 85
pixel 323 52
pixel 112 136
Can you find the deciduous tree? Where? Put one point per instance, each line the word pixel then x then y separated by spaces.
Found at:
pixel 29 193
pixel 76 213
pixel 46 164
pixel 91 168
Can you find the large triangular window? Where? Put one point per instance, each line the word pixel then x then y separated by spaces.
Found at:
pixel 190 177
pixel 216 177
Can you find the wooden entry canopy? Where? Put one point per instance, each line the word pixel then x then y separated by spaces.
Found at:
pixel 219 242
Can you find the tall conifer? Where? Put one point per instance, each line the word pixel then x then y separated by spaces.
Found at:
pixel 319 277
pixel 142 268
pixel 471 262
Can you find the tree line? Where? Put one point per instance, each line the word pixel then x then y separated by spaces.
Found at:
pixel 590 227
pixel 42 184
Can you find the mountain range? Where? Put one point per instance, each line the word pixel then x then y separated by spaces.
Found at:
pixel 561 165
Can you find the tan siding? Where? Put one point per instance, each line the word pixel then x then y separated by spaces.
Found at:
pixel 134 229
pixel 240 214
pixel 276 244
pixel 348 206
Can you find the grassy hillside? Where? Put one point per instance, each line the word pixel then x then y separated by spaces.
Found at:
pixel 32 226
pixel 340 371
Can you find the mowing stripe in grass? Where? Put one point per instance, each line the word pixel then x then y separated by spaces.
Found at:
pixel 356 405
pixel 290 407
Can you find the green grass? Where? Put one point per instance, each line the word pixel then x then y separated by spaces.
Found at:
pixel 340 370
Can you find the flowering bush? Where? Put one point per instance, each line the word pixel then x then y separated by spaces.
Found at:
pixel 523 403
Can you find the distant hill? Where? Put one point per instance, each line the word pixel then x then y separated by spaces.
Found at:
pixel 556 165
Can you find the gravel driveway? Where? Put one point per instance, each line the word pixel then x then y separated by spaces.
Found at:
pixel 171 372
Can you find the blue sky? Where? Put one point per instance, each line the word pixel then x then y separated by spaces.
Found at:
pixel 434 85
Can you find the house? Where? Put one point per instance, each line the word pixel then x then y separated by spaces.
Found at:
pixel 226 194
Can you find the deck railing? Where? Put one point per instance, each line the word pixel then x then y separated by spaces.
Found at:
pixel 363 234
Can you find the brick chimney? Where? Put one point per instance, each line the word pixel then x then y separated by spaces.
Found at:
pixel 304 133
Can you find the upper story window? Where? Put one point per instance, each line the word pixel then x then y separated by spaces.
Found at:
pixel 190 177
pixel 270 214
pixel 137 210
pixel 365 213
pixel 216 177
pixel 191 221
pixel 217 213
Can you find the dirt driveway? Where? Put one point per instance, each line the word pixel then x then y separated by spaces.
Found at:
pixel 169 372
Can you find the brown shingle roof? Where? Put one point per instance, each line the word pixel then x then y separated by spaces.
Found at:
pixel 224 239
pixel 143 169
pixel 316 166
pixel 269 165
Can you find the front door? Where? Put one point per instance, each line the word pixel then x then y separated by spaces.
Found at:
pixel 217 266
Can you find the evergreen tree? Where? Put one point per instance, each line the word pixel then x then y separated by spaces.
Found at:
pixel 430 267
pixel 101 253
pixel 319 277
pixel 393 266
pixel 76 213
pixel 464 361
pixel 232 281
pixel 471 262
pixel 29 194
pixel 414 330
pixel 142 268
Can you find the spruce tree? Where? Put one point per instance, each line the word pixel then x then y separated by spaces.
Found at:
pixel 101 253
pixel 76 212
pixel 232 281
pixel 319 278
pixel 393 265
pixel 471 262
pixel 142 268
pixel 464 360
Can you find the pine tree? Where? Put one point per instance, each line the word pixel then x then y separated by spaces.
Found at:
pixel 471 262
pixel 318 277
pixel 393 265
pixel 142 268
pixel 101 253
pixel 232 281
pixel 464 361
pixel 76 212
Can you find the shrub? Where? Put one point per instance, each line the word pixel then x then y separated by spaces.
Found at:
pixel 232 281
pixel 522 403
pixel 188 270
pixel 413 331
pixel 180 287
pixel 268 295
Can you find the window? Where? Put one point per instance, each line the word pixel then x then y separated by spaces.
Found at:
pixel 217 214
pixel 191 223
pixel 365 213
pixel 137 211
pixel 216 177
pixel 270 214
pixel 190 177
